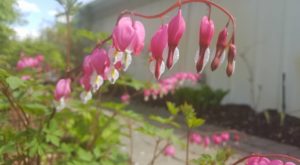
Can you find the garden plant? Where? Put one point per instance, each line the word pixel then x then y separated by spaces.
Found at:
pixel 61 113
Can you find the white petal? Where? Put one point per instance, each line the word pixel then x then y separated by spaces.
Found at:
pixel 176 56
pixel 233 66
pixel 113 75
pixel 162 68
pixel 85 96
pixel 196 56
pixel 146 98
pixel 61 105
pixel 96 81
pixel 222 57
pixel 152 67
pixel 127 59
pixel 118 56
pixel 206 57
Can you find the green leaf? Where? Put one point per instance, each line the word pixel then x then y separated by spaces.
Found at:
pixel 195 122
pixel 172 108
pixel 35 108
pixel 84 155
pixel 14 82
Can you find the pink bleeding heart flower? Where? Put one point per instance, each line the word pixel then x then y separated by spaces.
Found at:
pixel 206 141
pixel 236 137
pixel 217 139
pixel 100 61
pixel 276 162
pixel 231 60
pixel 125 98
pixel 169 151
pixel 220 53
pixel 62 91
pixel 225 136
pixel 26 77
pixel 206 33
pixel 147 93
pixel 176 29
pixel 158 44
pixel 258 161
pixel 289 163
pixel 128 37
pixel 195 138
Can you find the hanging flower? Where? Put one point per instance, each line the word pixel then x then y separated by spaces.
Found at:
pixel 206 33
pixel 169 151
pixel 62 91
pixel 195 138
pixel 176 29
pixel 231 60
pixel 128 38
pixel 158 44
pixel 220 53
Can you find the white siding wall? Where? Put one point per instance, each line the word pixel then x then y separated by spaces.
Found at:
pixel 268 32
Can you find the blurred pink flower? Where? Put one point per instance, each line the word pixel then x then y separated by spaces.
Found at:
pixel 26 77
pixel 225 136
pixel 217 139
pixel 195 138
pixel 169 151
pixel 125 98
pixel 206 141
pixel 62 91
pixel 30 62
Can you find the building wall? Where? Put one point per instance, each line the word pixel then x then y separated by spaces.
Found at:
pixel 267 36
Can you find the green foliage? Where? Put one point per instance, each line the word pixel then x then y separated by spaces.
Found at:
pixel 190 116
pixel 219 158
pixel 201 97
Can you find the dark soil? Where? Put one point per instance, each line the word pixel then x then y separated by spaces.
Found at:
pixel 244 118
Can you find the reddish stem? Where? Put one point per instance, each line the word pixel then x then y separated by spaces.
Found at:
pixel 178 4
pixel 282 156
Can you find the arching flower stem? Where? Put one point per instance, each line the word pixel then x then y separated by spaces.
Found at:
pixel 172 7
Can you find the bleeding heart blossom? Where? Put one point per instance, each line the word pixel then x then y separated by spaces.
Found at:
pixel 265 161
pixel 225 136
pixel 30 62
pixel 206 141
pixel 62 91
pixel 195 138
pixel 206 33
pixel 217 139
pixel 128 38
pixel 158 44
pixel 125 98
pixel 176 29
pixel 169 150
pixel 220 53
pixel 231 60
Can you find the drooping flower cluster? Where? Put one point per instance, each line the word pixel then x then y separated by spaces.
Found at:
pixel 30 62
pixel 169 84
pixel 128 38
pixel 62 91
pixel 266 161
pixel 167 35
pixel 217 139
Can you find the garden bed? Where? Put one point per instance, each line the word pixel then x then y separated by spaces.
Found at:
pixel 244 118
